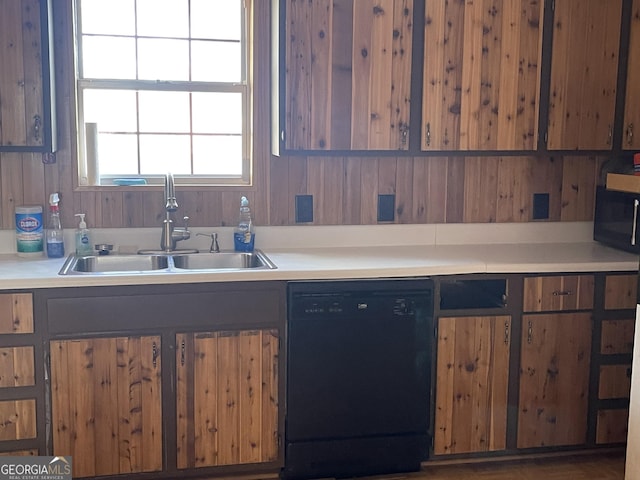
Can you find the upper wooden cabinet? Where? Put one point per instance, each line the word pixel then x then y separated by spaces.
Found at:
pixel 631 137
pixel 27 102
pixel 481 78
pixel 584 71
pixel 344 74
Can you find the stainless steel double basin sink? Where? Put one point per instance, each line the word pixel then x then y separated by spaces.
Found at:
pixel 173 262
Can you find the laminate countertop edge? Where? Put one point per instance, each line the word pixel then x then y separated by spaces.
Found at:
pixel 340 263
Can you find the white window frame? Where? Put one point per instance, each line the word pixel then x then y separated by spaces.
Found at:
pixel 85 169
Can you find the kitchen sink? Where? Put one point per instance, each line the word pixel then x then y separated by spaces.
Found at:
pixel 166 262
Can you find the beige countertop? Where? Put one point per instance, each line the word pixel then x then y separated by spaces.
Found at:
pixel 339 262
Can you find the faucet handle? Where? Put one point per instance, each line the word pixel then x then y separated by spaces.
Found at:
pixel 185 219
pixel 214 248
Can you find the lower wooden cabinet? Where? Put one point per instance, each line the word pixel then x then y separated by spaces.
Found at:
pixel 18 419
pixel 554 379
pixel 106 400
pixel 21 383
pixel 471 384
pixel 227 398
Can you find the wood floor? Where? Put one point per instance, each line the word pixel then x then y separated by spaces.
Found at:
pixel 600 467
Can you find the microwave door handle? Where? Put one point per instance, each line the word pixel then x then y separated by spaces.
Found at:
pixel 635 218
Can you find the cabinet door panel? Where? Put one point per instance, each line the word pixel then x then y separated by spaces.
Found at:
pixel 227 402
pixel 584 68
pixel 620 291
pixel 16 313
pixel 17 367
pixel 615 381
pixel 612 426
pixel 617 336
pixel 566 292
pixel 348 74
pixel 481 75
pixel 471 385
pixel 631 138
pixel 554 379
pixel 18 419
pixel 106 404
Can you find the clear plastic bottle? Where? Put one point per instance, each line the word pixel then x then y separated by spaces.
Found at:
pixel 243 235
pixel 54 235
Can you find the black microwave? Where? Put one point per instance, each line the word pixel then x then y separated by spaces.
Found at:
pixel 616 219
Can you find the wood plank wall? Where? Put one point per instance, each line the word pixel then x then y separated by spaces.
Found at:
pixel 344 189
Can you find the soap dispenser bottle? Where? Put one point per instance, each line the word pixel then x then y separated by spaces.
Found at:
pixel 83 238
pixel 243 235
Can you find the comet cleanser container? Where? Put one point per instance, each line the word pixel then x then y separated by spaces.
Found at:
pixel 29 231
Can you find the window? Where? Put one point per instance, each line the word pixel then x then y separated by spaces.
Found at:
pixel 162 87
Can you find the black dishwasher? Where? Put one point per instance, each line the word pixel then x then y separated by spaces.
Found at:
pixel 358 377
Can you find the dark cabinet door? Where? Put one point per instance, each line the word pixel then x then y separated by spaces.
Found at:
pixel 27 104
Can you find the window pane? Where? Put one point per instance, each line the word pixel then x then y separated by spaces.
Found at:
pixel 217 112
pixel 163 18
pixel 112 110
pixel 108 57
pixel 160 59
pixel 117 154
pixel 217 155
pixel 164 112
pixel 160 154
pixel 216 19
pixel 216 61
pixel 111 17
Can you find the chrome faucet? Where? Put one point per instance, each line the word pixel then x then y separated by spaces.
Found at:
pixel 172 235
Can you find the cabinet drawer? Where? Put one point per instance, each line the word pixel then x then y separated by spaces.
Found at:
pixel 615 381
pixel 620 291
pixel 18 419
pixel 16 367
pixel 567 292
pixel 16 313
pixel 617 336
pixel 612 426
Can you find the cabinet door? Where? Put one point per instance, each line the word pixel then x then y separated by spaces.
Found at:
pixel 631 139
pixel 620 291
pixel 227 398
pixel 554 379
pixel 26 80
pixel 565 292
pixel 471 384
pixel 106 404
pixel 481 74
pixel 584 71
pixel 346 74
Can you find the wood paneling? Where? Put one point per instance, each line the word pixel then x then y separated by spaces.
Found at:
pixel 17 419
pixel 612 426
pixel 17 367
pixel 16 313
pixel 617 336
pixel 554 379
pixel 631 135
pixel 427 189
pixel 481 75
pixel 566 292
pixel 227 400
pixel 106 404
pixel 615 381
pixel 620 291
pixel 584 70
pixel 471 397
